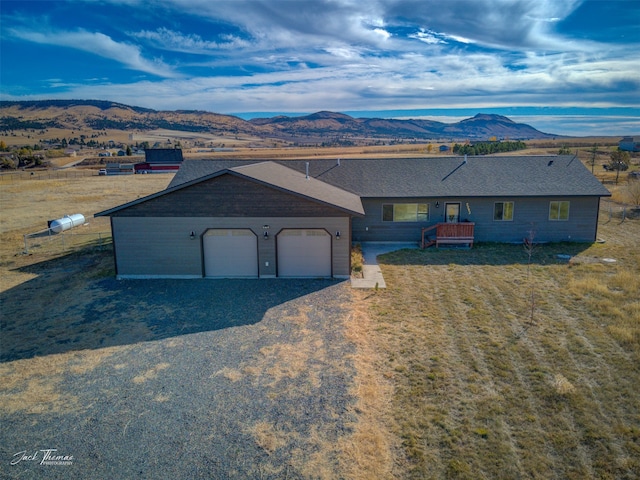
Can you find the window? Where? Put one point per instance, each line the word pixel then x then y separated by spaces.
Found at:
pixel 405 212
pixel 559 211
pixel 503 211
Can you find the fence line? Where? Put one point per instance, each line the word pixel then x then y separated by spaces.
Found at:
pixel 10 177
pixel 47 241
pixel 619 211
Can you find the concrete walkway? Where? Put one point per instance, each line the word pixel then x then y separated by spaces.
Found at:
pixel 371 270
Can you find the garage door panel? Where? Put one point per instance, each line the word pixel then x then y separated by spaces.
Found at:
pixel 230 253
pixel 304 253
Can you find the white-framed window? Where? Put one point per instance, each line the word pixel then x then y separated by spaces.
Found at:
pixel 405 212
pixel 503 211
pixel 559 210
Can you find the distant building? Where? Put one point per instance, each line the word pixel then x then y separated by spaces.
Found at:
pixel 160 160
pixel 629 144
pixel 120 169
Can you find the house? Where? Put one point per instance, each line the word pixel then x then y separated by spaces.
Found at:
pixel 119 169
pixel 160 160
pixel 295 218
pixel 629 144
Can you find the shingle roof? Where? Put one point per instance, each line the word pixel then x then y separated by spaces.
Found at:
pixel 438 176
pixel 193 169
pixel 292 181
pixel 272 175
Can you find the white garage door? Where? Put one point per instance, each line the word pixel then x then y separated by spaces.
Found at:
pixel 230 253
pixel 304 253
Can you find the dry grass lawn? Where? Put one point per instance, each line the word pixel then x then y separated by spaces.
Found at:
pixel 26 205
pixel 487 387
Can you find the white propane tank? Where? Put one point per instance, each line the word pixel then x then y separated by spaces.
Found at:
pixel 66 222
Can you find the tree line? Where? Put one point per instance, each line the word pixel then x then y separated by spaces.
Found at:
pixel 487 148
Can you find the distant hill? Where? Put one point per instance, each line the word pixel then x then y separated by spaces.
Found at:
pixel 98 115
pixel 480 127
pixel 318 127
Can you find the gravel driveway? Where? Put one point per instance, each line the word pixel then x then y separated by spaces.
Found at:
pixel 177 379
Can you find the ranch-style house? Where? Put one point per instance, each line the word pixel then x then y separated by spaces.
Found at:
pixel 300 218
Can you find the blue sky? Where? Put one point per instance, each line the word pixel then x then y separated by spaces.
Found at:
pixel 564 66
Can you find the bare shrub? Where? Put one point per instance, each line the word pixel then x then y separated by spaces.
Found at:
pixel 357 260
pixel 632 192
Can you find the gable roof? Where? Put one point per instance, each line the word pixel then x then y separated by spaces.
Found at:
pixel 272 175
pixel 292 181
pixel 488 176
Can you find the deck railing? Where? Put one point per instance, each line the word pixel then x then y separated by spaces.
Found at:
pixel 449 233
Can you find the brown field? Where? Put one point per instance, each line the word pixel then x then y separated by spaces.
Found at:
pixel 490 382
pixel 28 202
pixel 460 373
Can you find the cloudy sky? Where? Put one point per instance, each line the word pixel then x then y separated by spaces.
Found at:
pixel 564 66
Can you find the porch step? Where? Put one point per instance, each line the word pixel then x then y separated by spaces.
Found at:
pixel 428 243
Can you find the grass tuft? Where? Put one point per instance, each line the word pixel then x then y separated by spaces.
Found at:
pixel 562 386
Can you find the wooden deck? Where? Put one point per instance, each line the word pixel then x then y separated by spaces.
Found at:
pixel 448 234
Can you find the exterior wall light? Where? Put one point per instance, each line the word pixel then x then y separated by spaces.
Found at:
pixel 266 235
pixel 338 235
pixel 192 235
pixel 437 204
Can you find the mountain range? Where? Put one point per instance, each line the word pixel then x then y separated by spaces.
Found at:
pixel 317 127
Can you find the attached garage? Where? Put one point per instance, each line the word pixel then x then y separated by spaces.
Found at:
pixel 304 253
pixel 230 253
pixel 257 220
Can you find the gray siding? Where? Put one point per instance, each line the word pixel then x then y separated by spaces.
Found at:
pixel 530 213
pixel 162 247
pixel 371 228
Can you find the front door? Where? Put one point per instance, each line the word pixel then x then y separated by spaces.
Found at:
pixel 452 212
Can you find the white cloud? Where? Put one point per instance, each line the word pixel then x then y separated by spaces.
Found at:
pixel 350 55
pixel 458 38
pixel 427 37
pixel 344 52
pixel 382 32
pixel 351 78
pixel 190 43
pixel 98 44
pixel 283 24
